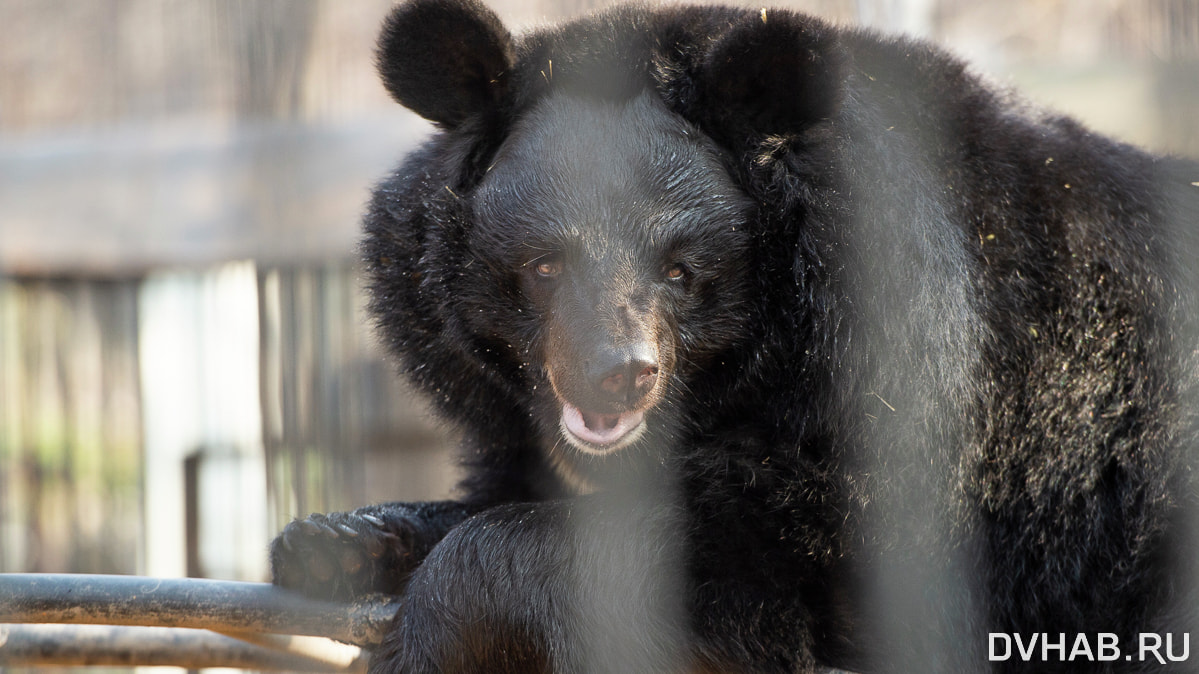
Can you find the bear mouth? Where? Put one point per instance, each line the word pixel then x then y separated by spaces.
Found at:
pixel 599 434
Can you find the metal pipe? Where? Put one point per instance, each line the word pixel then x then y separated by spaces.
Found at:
pixel 223 606
pixel 126 646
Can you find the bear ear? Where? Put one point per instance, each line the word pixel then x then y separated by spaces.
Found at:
pixel 772 73
pixel 446 60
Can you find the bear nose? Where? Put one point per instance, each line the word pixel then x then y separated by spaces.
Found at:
pixel 624 374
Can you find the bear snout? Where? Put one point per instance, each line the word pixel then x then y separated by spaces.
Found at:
pixel 623 375
pixel 605 393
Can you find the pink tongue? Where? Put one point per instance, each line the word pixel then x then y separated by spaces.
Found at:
pixel 599 429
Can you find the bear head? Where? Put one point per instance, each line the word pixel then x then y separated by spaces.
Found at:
pixel 579 249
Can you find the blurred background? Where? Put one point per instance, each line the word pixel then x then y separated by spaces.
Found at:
pixel 185 363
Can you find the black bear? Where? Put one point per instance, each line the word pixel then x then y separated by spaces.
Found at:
pixel 775 346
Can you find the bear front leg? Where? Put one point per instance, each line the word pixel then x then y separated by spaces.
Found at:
pixel 547 587
pixel 343 555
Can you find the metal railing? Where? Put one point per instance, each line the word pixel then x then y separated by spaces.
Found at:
pixel 69 619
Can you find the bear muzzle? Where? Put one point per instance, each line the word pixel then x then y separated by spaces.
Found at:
pixel 604 401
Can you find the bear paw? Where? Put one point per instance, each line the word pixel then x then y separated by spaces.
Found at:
pixel 344 555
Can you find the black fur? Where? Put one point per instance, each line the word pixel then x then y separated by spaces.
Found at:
pixel 455 66
pixel 907 363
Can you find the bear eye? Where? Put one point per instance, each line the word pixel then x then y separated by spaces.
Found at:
pixel 675 272
pixel 548 267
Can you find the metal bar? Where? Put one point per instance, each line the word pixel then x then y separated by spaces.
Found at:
pixel 126 646
pixel 339 656
pixel 223 606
